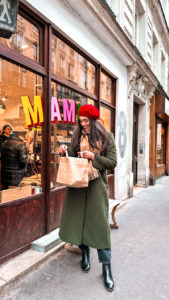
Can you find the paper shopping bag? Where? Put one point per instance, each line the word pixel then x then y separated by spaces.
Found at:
pixel 73 172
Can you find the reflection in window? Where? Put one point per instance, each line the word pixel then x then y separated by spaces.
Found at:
pixel 160 143
pixel 62 133
pixel 20 147
pixel 76 68
pixel 105 117
pixel 62 64
pixel 25 40
pixel 106 89
pixel 70 71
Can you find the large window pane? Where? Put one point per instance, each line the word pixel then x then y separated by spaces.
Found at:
pixel 105 117
pixel 62 133
pixel 106 88
pixel 20 146
pixel 70 65
pixel 25 40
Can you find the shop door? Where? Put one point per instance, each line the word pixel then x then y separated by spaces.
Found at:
pixel 135 139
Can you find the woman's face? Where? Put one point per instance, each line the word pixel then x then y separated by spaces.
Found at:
pixel 85 123
pixel 8 131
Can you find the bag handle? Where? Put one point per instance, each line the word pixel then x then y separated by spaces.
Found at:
pixel 67 155
pixel 81 154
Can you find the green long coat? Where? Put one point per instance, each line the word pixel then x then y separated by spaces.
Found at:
pixel 85 212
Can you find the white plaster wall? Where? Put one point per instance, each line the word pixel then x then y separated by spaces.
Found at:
pixel 121 175
pixel 130 144
pixel 82 33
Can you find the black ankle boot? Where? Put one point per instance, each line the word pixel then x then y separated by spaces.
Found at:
pixel 85 263
pixel 108 279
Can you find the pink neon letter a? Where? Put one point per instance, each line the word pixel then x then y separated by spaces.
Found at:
pixel 55 110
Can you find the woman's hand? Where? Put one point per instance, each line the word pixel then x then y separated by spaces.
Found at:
pixel 88 155
pixel 62 149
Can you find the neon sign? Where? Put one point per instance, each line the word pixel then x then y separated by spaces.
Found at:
pixel 34 113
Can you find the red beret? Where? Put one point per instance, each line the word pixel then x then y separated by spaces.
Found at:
pixel 89 111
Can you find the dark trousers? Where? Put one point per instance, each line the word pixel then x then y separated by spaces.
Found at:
pixel 104 255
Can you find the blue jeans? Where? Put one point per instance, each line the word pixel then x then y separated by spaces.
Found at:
pixel 104 255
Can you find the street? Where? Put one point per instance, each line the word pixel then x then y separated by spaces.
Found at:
pixel 140 258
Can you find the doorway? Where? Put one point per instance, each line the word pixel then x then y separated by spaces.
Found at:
pixel 135 143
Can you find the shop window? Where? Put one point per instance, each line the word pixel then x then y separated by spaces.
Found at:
pixel 106 119
pixel 61 133
pixel 25 40
pixel 20 145
pixel 106 88
pixel 77 68
pixel 160 143
pixel 105 116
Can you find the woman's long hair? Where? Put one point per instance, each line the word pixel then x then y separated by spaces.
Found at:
pixel 97 135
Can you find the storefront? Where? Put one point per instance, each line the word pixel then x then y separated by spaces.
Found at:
pixel 159 137
pixel 41 61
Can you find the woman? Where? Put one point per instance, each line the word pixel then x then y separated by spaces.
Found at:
pixel 13 158
pixel 85 214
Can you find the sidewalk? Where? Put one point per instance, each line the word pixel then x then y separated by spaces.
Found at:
pixel 30 259
pixel 140 259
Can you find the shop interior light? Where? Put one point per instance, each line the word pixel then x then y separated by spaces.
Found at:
pixel 4 98
pixel 24 46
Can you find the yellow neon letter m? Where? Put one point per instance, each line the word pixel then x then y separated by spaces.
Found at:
pixel 33 113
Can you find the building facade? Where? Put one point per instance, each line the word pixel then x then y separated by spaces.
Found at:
pixel 113 54
pixel 145 23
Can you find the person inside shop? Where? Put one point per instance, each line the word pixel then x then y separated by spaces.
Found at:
pixel 85 219
pixel 14 158
pixel 6 132
pixel 34 141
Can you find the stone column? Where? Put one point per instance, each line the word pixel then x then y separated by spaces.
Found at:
pixel 132 74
